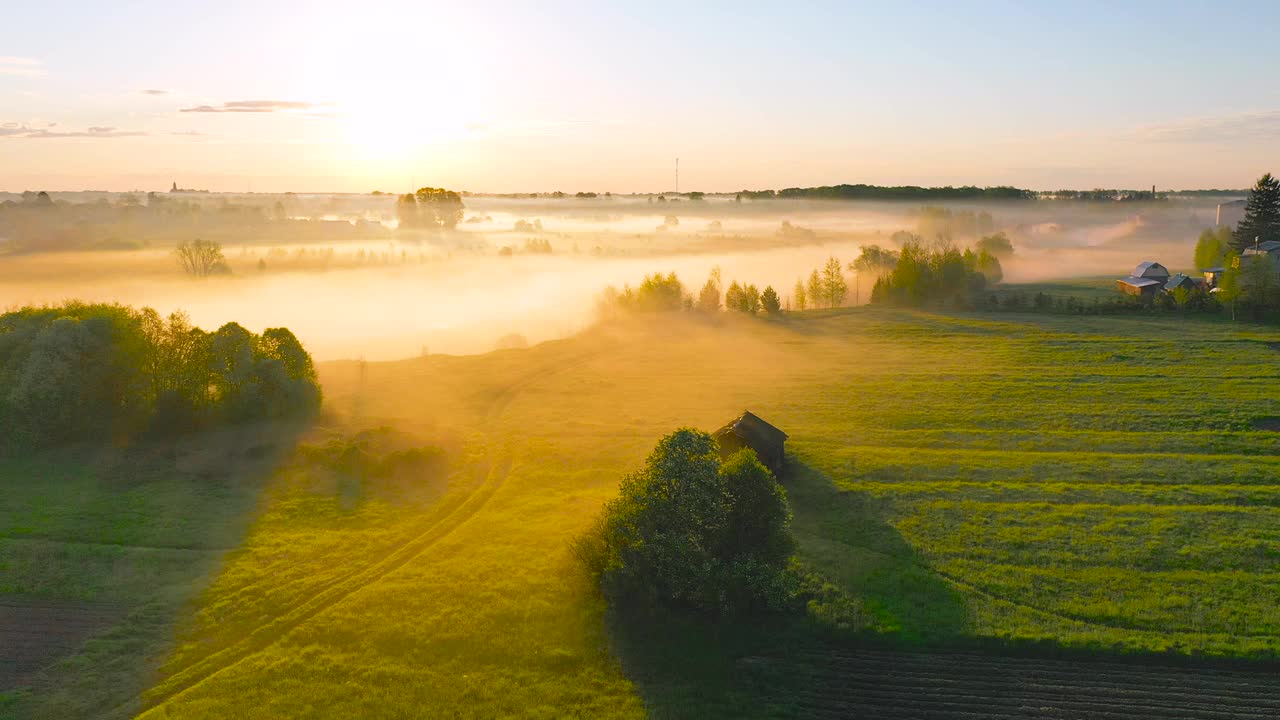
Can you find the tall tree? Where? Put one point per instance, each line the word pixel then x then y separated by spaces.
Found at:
pixel 816 292
pixel 1261 215
pixel 834 286
pixel 801 299
pixel 1212 246
pixel 769 300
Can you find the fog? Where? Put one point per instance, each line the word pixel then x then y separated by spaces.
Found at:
pixel 379 293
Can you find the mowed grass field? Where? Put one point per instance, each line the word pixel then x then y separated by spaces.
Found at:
pixel 1090 484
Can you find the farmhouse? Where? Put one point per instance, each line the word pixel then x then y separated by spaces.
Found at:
pixel 1148 278
pixel 748 430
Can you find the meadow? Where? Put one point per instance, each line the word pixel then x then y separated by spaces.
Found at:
pixel 1037 485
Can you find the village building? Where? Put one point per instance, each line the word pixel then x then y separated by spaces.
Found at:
pixel 1179 280
pixel 749 431
pixel 1270 248
pixel 1148 278
pixel 1213 276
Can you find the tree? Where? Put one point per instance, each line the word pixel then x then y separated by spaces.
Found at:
pixel 1212 247
pixel 439 207
pixel 1261 215
pixel 769 300
pixel 800 295
pixel 834 287
pixel 430 208
pixel 1229 289
pixel 709 296
pixel 989 266
pixel 750 300
pixel 201 258
pixel 997 245
pixel 735 297
pixel 873 260
pixel 688 531
pixel 815 290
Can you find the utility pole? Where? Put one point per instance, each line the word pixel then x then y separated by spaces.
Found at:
pixel 677 176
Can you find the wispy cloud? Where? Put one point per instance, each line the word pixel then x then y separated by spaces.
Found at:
pixel 1262 125
pixel 25 67
pixel 154 92
pixel 26 132
pixel 252 106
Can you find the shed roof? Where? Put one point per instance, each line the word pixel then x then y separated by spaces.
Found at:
pixel 1177 280
pixel 1150 268
pixel 1269 245
pixel 1214 270
pixel 751 428
pixel 1139 282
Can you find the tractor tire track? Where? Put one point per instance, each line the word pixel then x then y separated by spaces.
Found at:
pixel 333 592
pixel 268 634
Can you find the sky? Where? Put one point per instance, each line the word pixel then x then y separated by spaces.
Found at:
pixel 603 96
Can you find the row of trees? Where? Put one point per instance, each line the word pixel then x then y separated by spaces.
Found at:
pixel 903 192
pixel 665 293
pixel 938 274
pixel 108 372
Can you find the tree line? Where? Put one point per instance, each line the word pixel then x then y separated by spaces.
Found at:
pixel 900 192
pixel 109 372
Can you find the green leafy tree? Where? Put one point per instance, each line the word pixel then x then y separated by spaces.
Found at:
pixel 770 302
pixel 709 297
pixel 834 287
pixel 815 290
pixel 1229 286
pixel 750 300
pixel 1212 247
pixel 997 245
pixel 689 532
pixel 1261 215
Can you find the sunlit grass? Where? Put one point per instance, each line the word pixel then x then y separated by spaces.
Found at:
pixel 1088 482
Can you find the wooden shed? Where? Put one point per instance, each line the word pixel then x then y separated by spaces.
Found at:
pixel 749 431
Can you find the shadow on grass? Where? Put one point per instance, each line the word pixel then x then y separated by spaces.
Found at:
pixel 694 667
pixel 142 529
pixel 844 536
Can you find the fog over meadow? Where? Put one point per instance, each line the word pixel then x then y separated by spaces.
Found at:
pixel 338 272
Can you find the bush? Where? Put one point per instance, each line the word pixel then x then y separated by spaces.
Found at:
pixel 688 531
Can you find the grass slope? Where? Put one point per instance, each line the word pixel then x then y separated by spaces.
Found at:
pixel 1081 482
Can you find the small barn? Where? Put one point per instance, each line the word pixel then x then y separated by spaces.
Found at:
pixel 749 431
pixel 1179 280
pixel 1148 278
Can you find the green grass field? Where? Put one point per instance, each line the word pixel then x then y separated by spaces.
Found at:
pixel 1071 483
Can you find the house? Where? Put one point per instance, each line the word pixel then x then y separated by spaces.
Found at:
pixel 1213 275
pixel 1148 278
pixel 749 431
pixel 1180 280
pixel 1270 248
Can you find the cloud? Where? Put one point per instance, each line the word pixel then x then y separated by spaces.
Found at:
pixel 16 131
pixel 25 67
pixel 154 92
pixel 251 106
pixel 1262 125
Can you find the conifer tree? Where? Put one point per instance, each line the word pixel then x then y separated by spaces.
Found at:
pixel 1261 215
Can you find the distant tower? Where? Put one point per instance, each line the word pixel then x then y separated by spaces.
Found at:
pixel 175 187
pixel 677 176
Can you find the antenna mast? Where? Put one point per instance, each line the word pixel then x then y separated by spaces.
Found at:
pixel 677 176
